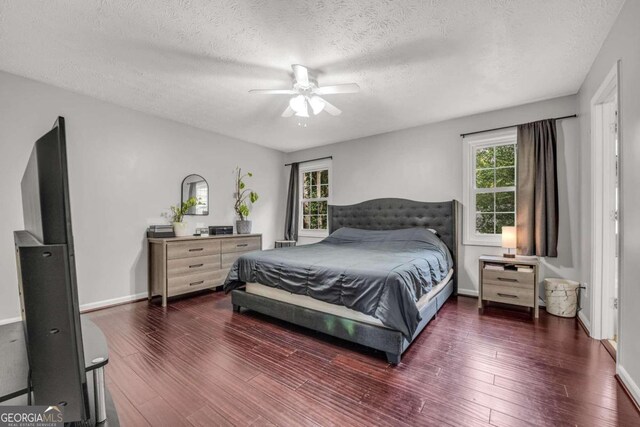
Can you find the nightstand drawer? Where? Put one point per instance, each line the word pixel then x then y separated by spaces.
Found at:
pixel 516 279
pixel 508 294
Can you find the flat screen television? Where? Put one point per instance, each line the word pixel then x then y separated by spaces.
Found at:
pixel 47 280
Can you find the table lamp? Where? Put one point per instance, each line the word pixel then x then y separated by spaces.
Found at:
pixel 509 240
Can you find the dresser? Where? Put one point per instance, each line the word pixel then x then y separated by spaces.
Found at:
pixel 180 265
pixel 509 286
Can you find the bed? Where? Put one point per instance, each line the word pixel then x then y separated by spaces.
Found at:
pixel 383 273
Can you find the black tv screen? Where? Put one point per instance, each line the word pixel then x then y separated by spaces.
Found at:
pixel 47 280
pixel 45 189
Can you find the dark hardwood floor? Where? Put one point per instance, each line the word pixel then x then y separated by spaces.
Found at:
pixel 197 363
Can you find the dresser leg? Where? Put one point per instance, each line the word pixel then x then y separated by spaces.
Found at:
pixel 164 300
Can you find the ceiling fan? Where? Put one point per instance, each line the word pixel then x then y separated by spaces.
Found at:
pixel 305 94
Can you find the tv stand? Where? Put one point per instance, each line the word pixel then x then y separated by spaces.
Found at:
pixel 14 370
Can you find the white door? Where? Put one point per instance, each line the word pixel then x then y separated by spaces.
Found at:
pixel 611 203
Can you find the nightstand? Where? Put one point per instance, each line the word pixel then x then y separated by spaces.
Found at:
pixel 509 281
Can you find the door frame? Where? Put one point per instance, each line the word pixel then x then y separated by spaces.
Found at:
pixel 603 252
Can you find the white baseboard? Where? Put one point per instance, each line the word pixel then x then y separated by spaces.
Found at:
pixel 109 302
pixel 468 292
pixel 631 385
pixel 10 320
pixel 584 321
pixel 91 305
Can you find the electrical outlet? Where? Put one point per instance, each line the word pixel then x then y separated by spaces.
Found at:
pixel 585 291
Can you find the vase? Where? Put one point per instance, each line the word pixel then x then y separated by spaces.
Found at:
pixel 180 229
pixel 243 226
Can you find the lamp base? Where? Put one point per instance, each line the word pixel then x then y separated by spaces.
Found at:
pixel 509 255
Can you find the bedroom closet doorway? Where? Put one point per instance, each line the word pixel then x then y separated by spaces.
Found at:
pixel 605 210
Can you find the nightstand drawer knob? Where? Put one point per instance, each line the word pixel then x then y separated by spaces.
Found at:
pixel 507 279
pixel 507 295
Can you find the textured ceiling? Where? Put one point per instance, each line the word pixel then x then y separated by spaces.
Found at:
pixel 416 61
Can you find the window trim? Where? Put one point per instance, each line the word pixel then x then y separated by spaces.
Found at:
pixel 311 167
pixel 471 143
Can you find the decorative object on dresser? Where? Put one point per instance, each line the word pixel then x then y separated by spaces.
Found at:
pixel 177 215
pixel 216 230
pixel 509 281
pixel 162 230
pixel 196 187
pixel 242 207
pixel 202 232
pixel 181 265
pixel 285 243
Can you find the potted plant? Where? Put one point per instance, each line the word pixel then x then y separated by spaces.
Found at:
pixel 177 215
pixel 245 198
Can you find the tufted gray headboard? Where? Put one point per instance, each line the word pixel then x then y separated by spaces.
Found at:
pixel 392 214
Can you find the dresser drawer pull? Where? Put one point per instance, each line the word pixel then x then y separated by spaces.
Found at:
pixel 507 279
pixel 196 250
pixel 507 295
pixel 241 245
pixel 196 266
pixel 196 283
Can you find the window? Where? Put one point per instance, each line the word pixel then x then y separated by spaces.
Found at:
pixel 315 197
pixel 490 186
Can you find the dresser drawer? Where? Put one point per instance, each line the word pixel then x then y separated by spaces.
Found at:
pixel 508 294
pixel 241 244
pixel 192 248
pixel 516 279
pixel 193 282
pixel 192 265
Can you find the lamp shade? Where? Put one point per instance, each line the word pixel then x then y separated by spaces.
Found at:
pixel 509 237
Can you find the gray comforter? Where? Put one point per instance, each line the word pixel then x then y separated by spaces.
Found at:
pixel 379 273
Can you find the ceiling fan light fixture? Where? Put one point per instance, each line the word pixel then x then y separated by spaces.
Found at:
pixel 317 104
pixel 303 113
pixel 298 104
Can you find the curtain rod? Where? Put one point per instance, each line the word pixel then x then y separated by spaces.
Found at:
pixel 311 160
pixel 507 127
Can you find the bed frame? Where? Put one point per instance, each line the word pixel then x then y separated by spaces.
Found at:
pixel 377 214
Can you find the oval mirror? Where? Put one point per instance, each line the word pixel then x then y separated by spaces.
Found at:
pixel 196 186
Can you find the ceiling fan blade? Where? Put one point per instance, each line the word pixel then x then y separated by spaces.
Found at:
pixel 330 108
pixel 288 112
pixel 301 74
pixel 343 88
pixel 273 91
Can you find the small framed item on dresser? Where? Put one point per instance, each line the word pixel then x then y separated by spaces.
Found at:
pixel 509 281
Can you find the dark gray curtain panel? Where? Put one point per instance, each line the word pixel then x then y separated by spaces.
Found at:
pixel 537 189
pixel 293 200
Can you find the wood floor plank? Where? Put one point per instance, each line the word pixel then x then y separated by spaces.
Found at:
pixel 206 416
pixel 128 415
pixel 197 363
pixel 159 413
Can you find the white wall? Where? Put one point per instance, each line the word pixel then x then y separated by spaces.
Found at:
pixel 425 163
pixel 125 169
pixel 621 44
